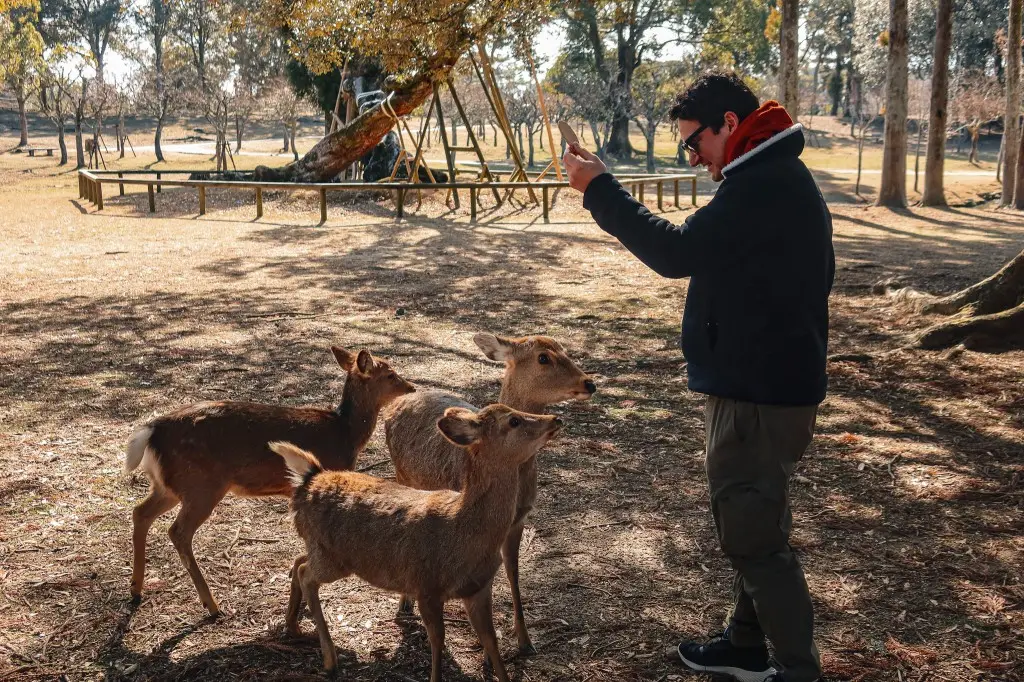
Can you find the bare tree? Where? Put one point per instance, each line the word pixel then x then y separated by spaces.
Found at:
pixel 54 85
pixel 893 189
pixel 935 157
pixel 789 63
pixel 1011 130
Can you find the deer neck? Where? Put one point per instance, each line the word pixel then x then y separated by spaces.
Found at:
pixel 519 399
pixel 488 504
pixel 357 418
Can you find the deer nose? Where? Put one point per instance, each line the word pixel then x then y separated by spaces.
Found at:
pixel 590 386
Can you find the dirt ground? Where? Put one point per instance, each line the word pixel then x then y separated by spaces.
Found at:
pixel 908 508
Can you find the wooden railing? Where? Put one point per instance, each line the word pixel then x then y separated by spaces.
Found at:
pixel 90 187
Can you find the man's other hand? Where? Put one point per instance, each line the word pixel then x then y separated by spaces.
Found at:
pixel 582 166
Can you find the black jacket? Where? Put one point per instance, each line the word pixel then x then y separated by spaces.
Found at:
pixel 760 261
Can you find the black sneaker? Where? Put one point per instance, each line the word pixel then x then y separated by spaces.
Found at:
pixel 746 664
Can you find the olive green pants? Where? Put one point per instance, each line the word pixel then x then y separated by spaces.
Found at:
pixel 751 452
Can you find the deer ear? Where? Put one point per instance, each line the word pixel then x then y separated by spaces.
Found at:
pixel 461 426
pixel 495 347
pixel 364 361
pixel 344 358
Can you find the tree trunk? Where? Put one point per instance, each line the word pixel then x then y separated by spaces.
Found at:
pixel 156 139
pixel 650 150
pixel 1012 110
pixel 22 117
pixel 455 137
pixel 519 135
pixel 79 146
pixel 295 152
pixel 495 129
pixel 239 133
pixel 286 140
pixel 598 148
pixel 789 81
pixel 893 189
pixel 935 156
pixel 337 151
pixel 529 162
pixel 62 143
pixel 999 159
pixel 917 153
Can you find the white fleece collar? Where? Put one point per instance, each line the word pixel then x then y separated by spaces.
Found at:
pixel 796 127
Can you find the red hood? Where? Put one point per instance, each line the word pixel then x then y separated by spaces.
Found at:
pixel 770 119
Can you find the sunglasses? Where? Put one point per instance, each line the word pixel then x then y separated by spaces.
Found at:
pixel 690 143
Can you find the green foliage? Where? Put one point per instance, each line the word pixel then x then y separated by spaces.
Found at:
pixel 21 45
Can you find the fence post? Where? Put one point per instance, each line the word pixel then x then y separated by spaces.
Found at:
pixel 693 191
pixel 641 197
pixel 323 205
pixel 152 200
pixel 660 192
pixel 259 203
pixel 159 188
pixel 401 203
pixel 99 196
pixel 472 205
pixel 120 185
pixel 675 189
pixel 202 199
pixel 545 199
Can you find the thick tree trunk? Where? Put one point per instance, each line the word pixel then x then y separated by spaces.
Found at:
pixel 337 151
pixel 893 189
pixel 79 145
pixel 22 118
pixel 618 143
pixel 935 156
pixel 789 81
pixel 1012 110
pixel 1002 290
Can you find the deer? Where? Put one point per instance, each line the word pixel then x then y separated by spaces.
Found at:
pixel 197 454
pixel 538 373
pixel 435 545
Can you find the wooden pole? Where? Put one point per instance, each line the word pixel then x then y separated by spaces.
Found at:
pixel 693 190
pixel 485 172
pixel 660 207
pixel 675 189
pixel 152 200
pixel 323 205
pixel 99 196
pixel 447 147
pixel 545 200
pixel 202 199
pixel 158 189
pixel 544 113
pixel 472 205
pixel 259 203
pixel 120 185
pixel 401 203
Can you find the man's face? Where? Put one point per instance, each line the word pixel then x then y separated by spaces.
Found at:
pixel 710 145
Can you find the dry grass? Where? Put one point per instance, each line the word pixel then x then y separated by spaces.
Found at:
pixel 909 513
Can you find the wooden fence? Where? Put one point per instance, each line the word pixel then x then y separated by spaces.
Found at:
pixel 90 187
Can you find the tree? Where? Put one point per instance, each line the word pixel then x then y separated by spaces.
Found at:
pixel 323 32
pixel 1011 128
pixel 55 82
pixel 21 54
pixel 893 189
pixel 628 25
pixel 155 19
pixel 574 76
pixel 94 22
pixel 789 65
pixel 655 88
pixel 934 194
pixel 283 104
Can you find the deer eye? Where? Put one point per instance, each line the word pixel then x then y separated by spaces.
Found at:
pixel 514 422
pixel 544 359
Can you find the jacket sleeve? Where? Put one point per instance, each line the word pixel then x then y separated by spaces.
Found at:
pixel 670 250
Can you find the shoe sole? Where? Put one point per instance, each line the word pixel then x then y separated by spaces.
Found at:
pixel 736 673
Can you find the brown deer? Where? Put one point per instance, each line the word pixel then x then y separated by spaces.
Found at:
pixel 538 373
pixel 434 545
pixel 198 454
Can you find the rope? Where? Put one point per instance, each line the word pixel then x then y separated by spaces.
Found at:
pixel 388 109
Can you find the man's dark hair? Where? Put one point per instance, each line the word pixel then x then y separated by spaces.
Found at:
pixel 710 96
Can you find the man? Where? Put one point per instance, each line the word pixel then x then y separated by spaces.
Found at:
pixel 755 326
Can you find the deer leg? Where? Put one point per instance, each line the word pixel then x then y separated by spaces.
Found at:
pixel 432 612
pixel 478 608
pixel 510 557
pixel 311 591
pixel 159 501
pixel 291 619
pixel 405 606
pixel 192 515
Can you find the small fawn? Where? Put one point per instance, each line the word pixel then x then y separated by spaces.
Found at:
pixel 197 454
pixel 434 545
pixel 538 373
